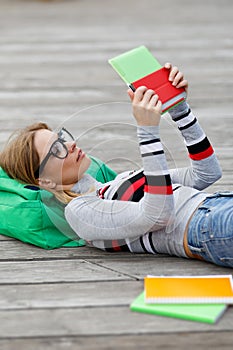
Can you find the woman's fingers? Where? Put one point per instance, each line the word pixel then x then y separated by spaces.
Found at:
pixel 139 94
pixel 174 71
pixel 176 77
pixel 146 97
pixel 168 65
pixel 146 107
pixel 183 83
pixel 130 94
pixel 156 103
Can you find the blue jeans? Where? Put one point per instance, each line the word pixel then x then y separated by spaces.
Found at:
pixel 210 233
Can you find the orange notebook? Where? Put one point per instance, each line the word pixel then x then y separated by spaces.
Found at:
pixel 189 289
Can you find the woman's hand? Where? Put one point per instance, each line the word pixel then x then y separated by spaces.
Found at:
pixel 176 77
pixel 146 105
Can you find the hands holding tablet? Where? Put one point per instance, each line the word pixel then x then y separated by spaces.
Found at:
pixel 147 107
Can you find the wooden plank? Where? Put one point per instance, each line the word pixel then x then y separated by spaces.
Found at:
pixel 55 271
pixel 69 295
pixel 14 250
pixel 172 341
pixel 5 238
pixel 98 321
pixel 163 265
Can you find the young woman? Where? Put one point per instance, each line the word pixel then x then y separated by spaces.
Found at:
pixel 153 210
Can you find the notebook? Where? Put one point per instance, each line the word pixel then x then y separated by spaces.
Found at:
pixel 189 289
pixel 208 313
pixel 138 67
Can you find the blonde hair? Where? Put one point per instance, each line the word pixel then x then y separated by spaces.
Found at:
pixel 20 159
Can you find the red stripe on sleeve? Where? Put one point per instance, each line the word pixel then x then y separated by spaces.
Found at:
pixel 158 189
pixel 202 155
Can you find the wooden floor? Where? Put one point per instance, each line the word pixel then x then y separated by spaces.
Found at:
pixel 53 67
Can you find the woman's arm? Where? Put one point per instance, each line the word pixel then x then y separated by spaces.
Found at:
pixel 204 169
pixel 93 218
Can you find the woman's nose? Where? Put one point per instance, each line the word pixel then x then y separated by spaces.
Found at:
pixel 71 146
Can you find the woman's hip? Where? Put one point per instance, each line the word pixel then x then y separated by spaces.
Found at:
pixel 210 231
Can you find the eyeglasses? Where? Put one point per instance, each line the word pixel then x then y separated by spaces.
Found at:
pixel 58 149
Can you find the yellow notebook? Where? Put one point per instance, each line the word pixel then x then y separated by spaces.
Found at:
pixel 189 289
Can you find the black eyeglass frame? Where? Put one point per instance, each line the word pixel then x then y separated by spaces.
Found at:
pixel 51 153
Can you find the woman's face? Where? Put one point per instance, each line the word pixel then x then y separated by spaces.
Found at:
pixel 65 171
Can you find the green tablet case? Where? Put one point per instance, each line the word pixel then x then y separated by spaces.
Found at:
pixel 135 64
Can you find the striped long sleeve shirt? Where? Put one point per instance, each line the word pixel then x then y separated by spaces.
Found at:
pixel 147 210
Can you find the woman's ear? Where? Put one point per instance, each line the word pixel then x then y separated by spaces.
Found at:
pixel 47 184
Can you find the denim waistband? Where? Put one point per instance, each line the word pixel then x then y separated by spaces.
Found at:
pixel 219 194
